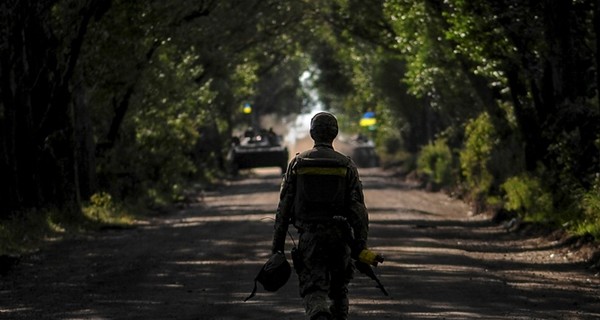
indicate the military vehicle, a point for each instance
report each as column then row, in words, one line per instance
column 260, row 149
column 361, row 149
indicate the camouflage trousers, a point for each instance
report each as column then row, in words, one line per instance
column 324, row 272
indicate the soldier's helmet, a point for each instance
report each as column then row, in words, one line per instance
column 274, row 274
column 323, row 127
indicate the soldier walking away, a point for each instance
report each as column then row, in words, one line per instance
column 321, row 195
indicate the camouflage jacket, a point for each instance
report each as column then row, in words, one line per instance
column 356, row 213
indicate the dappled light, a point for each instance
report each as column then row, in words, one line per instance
column 200, row 262
column 144, row 143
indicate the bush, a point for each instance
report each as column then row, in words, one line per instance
column 480, row 140
column 103, row 210
column 435, row 162
column 590, row 206
column 29, row 230
column 525, row 195
column 392, row 152
column 24, row 232
column 162, row 148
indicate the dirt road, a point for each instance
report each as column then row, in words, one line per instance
column 199, row 262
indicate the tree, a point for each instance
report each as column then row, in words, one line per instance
column 37, row 63
column 139, row 98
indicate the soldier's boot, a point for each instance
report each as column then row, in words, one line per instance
column 339, row 308
column 317, row 306
column 322, row 316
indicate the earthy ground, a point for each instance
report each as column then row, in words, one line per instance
column 199, row 262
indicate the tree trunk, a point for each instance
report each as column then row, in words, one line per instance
column 37, row 137
column 526, row 120
column 597, row 29
column 85, row 153
column 21, row 91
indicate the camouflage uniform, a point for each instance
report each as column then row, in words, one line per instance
column 325, row 266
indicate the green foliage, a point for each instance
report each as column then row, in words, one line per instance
column 412, row 27
column 29, row 230
column 425, row 83
column 479, row 32
column 155, row 91
column 435, row 161
column 279, row 90
column 102, row 209
column 179, row 71
column 26, row 231
column 525, row 195
column 480, row 140
column 590, row 206
column 153, row 158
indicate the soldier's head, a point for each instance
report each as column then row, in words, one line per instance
column 323, row 127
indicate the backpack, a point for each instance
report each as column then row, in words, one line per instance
column 320, row 188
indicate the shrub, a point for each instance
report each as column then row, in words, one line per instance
column 525, row 195
column 435, row 161
column 102, row 209
column 24, row 232
column 590, row 206
column 480, row 140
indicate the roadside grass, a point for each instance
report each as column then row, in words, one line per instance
column 24, row 232
column 102, row 211
column 27, row 231
column 590, row 205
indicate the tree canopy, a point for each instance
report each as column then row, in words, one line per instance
column 138, row 98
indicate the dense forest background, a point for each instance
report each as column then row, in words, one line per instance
column 110, row 102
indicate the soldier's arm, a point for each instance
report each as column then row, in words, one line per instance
column 358, row 214
column 284, row 210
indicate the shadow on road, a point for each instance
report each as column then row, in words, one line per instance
column 199, row 263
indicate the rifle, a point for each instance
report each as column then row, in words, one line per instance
column 368, row 271
column 363, row 257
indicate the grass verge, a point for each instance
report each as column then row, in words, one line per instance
column 27, row 231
